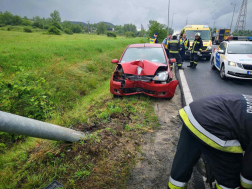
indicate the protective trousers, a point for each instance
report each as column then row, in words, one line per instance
column 182, row 54
column 177, row 57
column 226, row 167
column 194, row 59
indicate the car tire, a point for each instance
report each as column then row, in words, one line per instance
column 169, row 98
column 117, row 96
column 212, row 64
column 222, row 72
column 208, row 58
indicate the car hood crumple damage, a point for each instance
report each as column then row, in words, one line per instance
column 141, row 67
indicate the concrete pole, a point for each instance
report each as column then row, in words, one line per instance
column 168, row 17
column 15, row 124
column 232, row 17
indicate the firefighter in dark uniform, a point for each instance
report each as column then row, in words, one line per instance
column 154, row 38
column 184, row 45
column 173, row 48
column 196, row 50
column 220, row 128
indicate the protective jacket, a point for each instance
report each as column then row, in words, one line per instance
column 184, row 45
column 153, row 40
column 173, row 46
column 227, row 128
column 197, row 45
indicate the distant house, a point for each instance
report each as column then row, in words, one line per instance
column 110, row 29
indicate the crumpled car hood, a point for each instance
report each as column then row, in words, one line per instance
column 141, row 67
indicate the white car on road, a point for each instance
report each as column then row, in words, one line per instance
column 233, row 59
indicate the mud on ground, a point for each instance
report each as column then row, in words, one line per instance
column 158, row 149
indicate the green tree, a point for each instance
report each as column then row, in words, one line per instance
column 155, row 27
column 55, row 16
column 101, row 28
column 129, row 28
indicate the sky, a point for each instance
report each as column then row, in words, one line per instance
column 137, row 12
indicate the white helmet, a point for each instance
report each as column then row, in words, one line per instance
column 197, row 34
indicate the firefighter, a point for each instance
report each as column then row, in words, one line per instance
column 196, row 51
column 165, row 43
column 184, row 45
column 153, row 39
column 220, row 128
column 173, row 48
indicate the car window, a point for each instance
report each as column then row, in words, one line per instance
column 223, row 46
column 144, row 53
column 205, row 34
column 239, row 49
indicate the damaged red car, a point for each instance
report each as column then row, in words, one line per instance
column 143, row 68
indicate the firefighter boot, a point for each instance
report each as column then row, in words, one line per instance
column 194, row 66
column 191, row 65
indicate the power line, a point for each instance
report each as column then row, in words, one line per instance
column 241, row 21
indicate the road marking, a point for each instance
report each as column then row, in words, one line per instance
column 186, row 90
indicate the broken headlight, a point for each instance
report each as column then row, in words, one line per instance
column 161, row 76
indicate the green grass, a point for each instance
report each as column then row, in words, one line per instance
column 67, row 78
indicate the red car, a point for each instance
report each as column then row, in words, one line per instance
column 143, row 68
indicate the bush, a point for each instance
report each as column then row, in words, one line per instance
column 68, row 31
column 57, row 25
column 130, row 34
column 111, row 34
column 28, row 30
column 2, row 25
column 46, row 27
column 37, row 25
column 9, row 29
column 54, row 30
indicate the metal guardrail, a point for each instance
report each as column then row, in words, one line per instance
column 15, row 124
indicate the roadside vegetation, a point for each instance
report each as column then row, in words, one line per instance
column 64, row 79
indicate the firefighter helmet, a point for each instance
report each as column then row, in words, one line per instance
column 197, row 34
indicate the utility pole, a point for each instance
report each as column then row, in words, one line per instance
column 172, row 19
column 186, row 21
column 168, row 17
column 232, row 17
column 241, row 21
column 214, row 24
column 88, row 26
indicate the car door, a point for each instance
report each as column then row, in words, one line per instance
column 219, row 57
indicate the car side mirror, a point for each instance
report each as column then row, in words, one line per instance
column 114, row 61
column 172, row 60
column 221, row 51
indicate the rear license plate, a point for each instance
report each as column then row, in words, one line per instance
column 249, row 72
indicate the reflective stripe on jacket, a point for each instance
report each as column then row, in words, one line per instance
column 152, row 40
column 173, row 46
column 186, row 43
column 197, row 45
column 224, row 122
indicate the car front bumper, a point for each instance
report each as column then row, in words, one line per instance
column 205, row 54
column 239, row 73
column 140, row 87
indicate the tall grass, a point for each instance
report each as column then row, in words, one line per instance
column 72, row 66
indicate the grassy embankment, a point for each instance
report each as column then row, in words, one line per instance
column 65, row 80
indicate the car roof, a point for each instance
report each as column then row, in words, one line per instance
column 145, row 45
column 238, row 42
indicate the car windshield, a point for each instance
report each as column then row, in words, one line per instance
column 144, row 53
column 239, row 49
column 205, row 34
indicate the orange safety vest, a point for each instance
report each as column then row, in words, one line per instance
column 185, row 42
column 167, row 41
column 152, row 40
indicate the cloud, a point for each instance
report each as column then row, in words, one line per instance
column 137, row 12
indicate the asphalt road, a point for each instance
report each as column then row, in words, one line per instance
column 203, row 81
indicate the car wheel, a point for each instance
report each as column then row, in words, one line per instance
column 208, row 58
column 212, row 64
column 169, row 98
column 222, row 72
column 117, row 96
